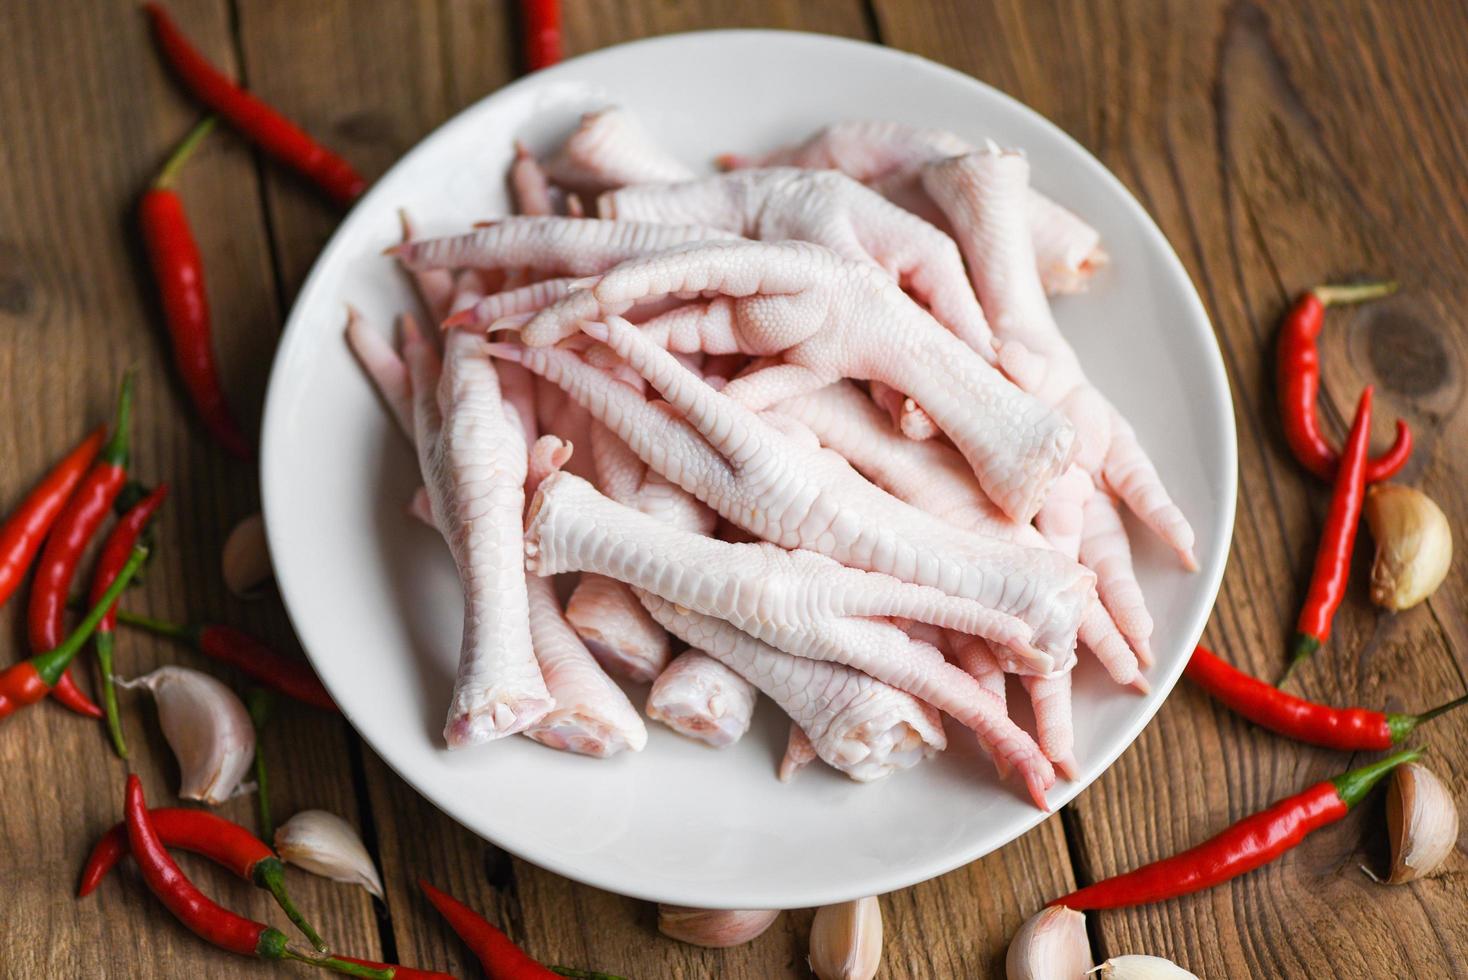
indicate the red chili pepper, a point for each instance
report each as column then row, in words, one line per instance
column 1248, row 844
column 208, row 920
column 501, row 958
column 239, row 649
column 542, row 26
column 84, row 513
column 214, row 837
column 178, row 269
column 251, row 116
column 26, row 527
column 1347, row 729
column 1299, row 383
column 114, row 554
column 30, row 680
column 402, row 972
column 1333, row 557
column 247, row 113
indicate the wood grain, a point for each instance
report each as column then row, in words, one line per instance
column 1269, row 142
column 1277, row 146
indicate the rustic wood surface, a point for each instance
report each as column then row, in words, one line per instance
column 1277, row 145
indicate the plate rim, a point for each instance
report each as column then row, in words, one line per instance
column 906, row 874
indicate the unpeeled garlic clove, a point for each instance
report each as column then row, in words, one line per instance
column 325, row 844
column 1422, row 820
column 1414, row 545
column 846, row 941
column 246, row 558
column 1136, row 967
column 713, row 928
column 207, row 727
column 1051, row 945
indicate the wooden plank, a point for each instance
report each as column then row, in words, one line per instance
column 1269, row 148
column 89, row 115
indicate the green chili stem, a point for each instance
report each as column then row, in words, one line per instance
column 105, row 642
column 1354, row 785
column 51, row 664
column 186, row 149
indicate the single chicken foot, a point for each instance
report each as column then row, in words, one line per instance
column 473, row 459
column 984, row 192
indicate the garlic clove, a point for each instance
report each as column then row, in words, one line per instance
column 246, row 558
column 846, row 941
column 325, row 844
column 1414, row 545
column 1136, row 967
column 1051, row 945
column 713, row 928
column 1422, row 821
column 207, row 727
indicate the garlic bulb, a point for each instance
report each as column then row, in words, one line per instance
column 208, row 729
column 846, row 941
column 713, row 928
column 1422, row 820
column 246, row 558
column 325, row 844
column 1051, row 945
column 1414, row 545
column 1142, row 968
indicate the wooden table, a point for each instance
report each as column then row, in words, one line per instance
column 1277, row 145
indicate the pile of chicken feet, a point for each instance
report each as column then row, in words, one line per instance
column 812, row 418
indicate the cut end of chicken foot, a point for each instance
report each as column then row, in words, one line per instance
column 494, row 720
column 700, row 698
column 569, row 730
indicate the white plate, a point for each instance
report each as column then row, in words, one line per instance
column 374, row 598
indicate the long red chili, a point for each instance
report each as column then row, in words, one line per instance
column 1337, row 541
column 24, row 530
column 84, row 513
column 31, row 680
column 205, row 918
column 221, row 841
column 1347, row 729
column 500, row 957
column 239, row 649
column 1299, row 383
column 114, row 555
column 541, row 20
column 247, row 113
column 1248, row 844
column 402, row 972
column 178, row 269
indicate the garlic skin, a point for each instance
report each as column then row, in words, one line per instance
column 1422, row 821
column 207, row 727
column 1414, row 545
column 245, row 561
column 846, row 941
column 713, row 928
column 325, row 844
column 1142, row 968
column 1051, row 945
